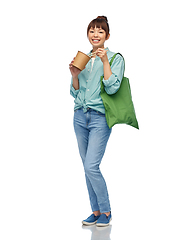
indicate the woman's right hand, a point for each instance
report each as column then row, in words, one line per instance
column 74, row 71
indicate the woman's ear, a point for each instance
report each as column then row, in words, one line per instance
column 108, row 36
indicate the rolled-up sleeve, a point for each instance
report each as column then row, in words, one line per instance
column 112, row 85
column 73, row 91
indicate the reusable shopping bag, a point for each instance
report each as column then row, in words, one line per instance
column 119, row 107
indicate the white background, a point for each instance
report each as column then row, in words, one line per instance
column 42, row 185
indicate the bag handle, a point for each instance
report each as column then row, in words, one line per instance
column 114, row 58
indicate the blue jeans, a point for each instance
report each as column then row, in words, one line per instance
column 92, row 133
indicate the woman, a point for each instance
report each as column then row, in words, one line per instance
column 91, row 129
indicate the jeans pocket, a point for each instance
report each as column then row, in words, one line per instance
column 101, row 114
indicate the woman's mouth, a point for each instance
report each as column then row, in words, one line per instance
column 95, row 40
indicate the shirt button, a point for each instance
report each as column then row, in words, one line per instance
column 87, row 89
column 87, row 80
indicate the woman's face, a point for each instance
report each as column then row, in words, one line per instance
column 97, row 37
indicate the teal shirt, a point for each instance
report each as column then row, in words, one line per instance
column 88, row 94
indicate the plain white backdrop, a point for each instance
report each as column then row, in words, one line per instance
column 42, row 185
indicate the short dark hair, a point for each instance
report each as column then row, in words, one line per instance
column 99, row 22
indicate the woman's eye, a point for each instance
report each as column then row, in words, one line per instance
column 91, row 31
column 100, row 32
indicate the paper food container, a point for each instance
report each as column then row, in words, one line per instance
column 81, row 60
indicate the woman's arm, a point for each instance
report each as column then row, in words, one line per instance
column 74, row 72
column 112, row 84
column 107, row 70
column 102, row 54
column 74, row 89
column 112, row 75
column 76, row 83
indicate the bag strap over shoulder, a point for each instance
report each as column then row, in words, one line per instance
column 114, row 58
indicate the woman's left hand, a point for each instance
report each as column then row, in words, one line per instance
column 102, row 54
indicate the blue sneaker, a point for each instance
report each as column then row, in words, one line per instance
column 91, row 220
column 103, row 220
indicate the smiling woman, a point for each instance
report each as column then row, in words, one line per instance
column 91, row 129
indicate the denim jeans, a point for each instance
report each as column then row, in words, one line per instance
column 92, row 133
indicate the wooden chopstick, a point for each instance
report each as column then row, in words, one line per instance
column 91, row 54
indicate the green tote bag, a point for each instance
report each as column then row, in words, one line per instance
column 119, row 107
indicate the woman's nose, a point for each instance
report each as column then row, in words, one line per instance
column 95, row 34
